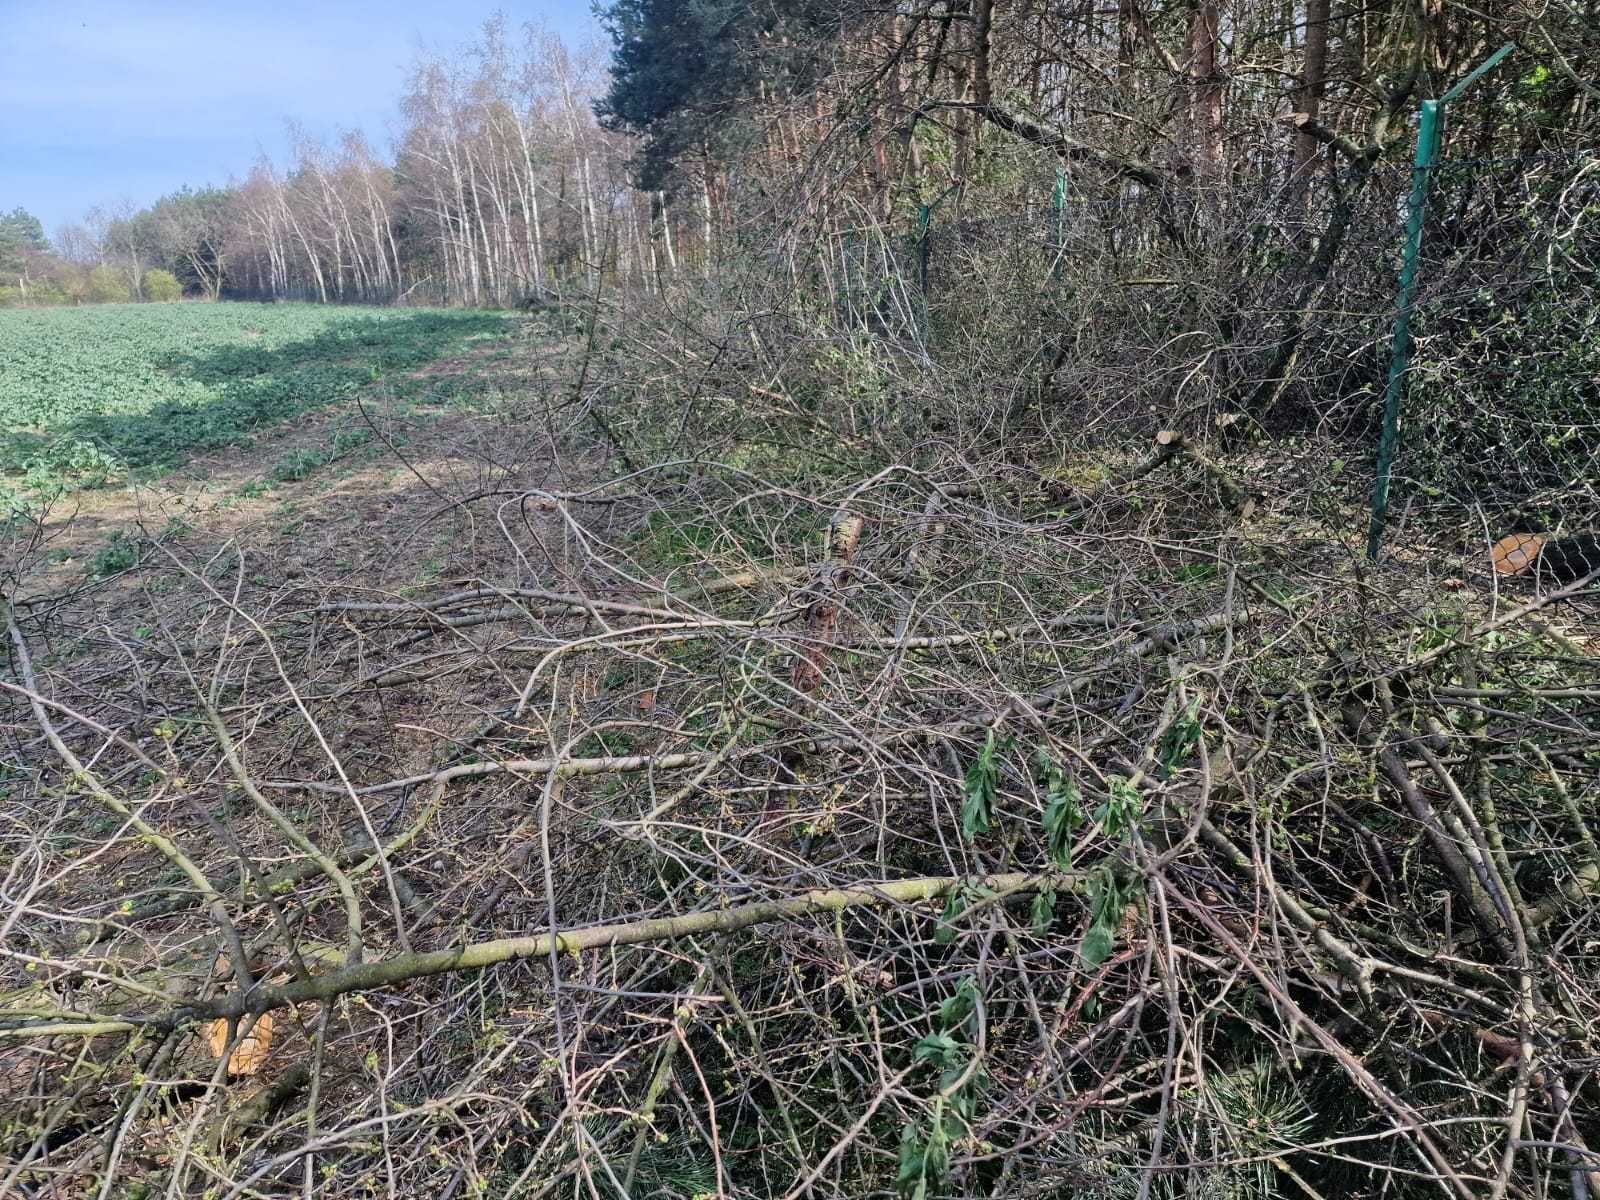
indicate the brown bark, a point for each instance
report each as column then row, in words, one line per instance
column 1127, row 43
column 1205, row 75
column 982, row 20
column 1313, row 83
column 822, row 616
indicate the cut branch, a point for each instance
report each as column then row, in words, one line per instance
column 478, row 955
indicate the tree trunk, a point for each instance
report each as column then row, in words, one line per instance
column 1205, row 110
column 1313, row 81
column 982, row 22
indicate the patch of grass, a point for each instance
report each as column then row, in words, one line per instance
column 119, row 554
column 297, row 465
column 685, row 538
column 90, row 395
column 1202, row 572
column 676, row 538
column 604, row 746
column 346, row 440
column 1281, row 588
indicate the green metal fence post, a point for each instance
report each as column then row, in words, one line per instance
column 847, row 294
column 1427, row 149
column 1061, row 221
column 925, row 248
column 1428, row 137
column 924, row 224
column 924, row 228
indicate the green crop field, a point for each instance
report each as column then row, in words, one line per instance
column 89, row 395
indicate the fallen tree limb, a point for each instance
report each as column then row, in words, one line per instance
column 565, row 601
column 1054, row 140
column 477, row 955
column 615, row 764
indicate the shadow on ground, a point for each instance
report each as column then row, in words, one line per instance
column 252, row 387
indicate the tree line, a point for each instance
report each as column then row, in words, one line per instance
column 522, row 165
column 1116, row 204
column 502, row 188
column 77, row 268
column 1174, row 102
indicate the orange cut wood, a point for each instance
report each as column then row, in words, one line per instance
column 1516, row 554
column 252, row 1049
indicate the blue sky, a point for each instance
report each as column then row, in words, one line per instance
column 102, row 100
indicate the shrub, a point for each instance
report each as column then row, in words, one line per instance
column 66, row 285
column 107, row 286
column 297, row 465
column 1504, row 398
column 120, row 553
column 47, row 292
column 162, row 285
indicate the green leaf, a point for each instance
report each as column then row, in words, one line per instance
column 1181, row 738
column 1120, row 810
column 936, row 1158
column 964, row 1102
column 924, row 1160
column 1098, row 943
column 983, row 782
column 1043, row 913
column 952, row 1076
column 953, row 1013
column 1108, row 897
column 945, row 932
column 941, row 1050
column 1063, row 813
column 908, row 1178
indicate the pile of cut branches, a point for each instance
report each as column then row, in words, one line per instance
column 954, row 827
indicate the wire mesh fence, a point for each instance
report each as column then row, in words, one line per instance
column 1276, row 306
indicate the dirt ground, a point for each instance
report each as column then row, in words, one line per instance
column 361, row 516
column 420, row 497
column 405, row 491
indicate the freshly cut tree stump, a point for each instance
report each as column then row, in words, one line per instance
column 1561, row 560
column 1516, row 554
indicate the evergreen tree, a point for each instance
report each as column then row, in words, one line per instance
column 21, row 234
column 685, row 73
